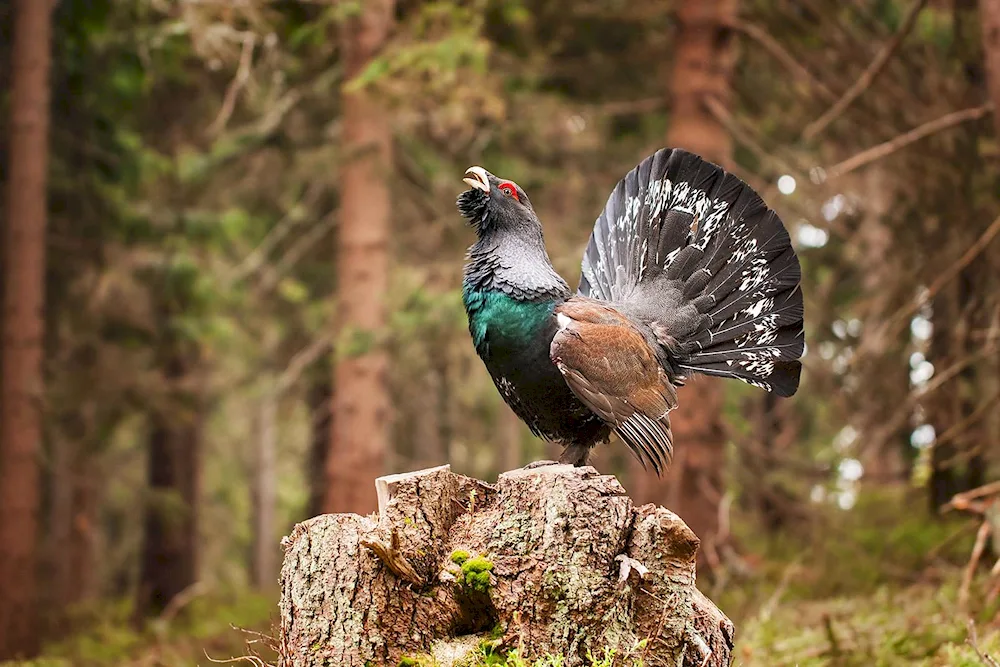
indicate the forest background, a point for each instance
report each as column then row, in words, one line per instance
column 231, row 271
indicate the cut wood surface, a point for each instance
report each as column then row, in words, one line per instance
column 554, row 560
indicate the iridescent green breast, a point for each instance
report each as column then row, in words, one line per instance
column 496, row 317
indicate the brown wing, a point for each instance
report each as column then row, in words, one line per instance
column 611, row 368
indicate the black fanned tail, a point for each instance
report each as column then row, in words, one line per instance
column 695, row 253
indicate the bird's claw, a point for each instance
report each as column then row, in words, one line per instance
column 539, row 464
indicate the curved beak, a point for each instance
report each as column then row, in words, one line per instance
column 475, row 177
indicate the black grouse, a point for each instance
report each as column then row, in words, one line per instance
column 687, row 271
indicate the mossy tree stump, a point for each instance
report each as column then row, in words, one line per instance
column 555, row 560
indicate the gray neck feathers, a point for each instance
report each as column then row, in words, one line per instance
column 515, row 264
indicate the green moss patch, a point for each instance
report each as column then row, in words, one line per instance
column 476, row 573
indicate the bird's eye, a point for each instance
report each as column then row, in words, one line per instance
column 510, row 190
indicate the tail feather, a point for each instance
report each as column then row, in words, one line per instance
column 696, row 254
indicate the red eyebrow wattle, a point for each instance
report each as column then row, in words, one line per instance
column 507, row 186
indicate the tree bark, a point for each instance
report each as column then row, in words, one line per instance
column 554, row 543
column 360, row 434
column 24, row 297
column 989, row 18
column 703, row 64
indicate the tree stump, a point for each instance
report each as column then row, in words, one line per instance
column 554, row 560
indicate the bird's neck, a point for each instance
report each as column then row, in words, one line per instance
column 515, row 265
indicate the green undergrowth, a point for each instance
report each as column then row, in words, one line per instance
column 211, row 627
column 877, row 585
column 889, row 539
column 918, row 626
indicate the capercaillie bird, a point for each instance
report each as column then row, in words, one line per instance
column 687, row 271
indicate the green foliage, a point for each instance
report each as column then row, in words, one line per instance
column 443, row 40
column 917, row 626
column 212, row 624
column 459, row 556
column 881, row 542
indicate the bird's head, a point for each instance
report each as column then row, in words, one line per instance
column 493, row 204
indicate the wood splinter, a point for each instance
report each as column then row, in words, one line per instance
column 394, row 559
column 627, row 565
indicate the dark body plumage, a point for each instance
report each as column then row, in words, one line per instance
column 687, row 270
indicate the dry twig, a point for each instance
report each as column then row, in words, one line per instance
column 181, row 600
column 970, row 569
column 782, row 55
column 869, row 75
column 973, row 641
column 302, row 360
column 962, row 500
column 880, row 151
column 719, row 111
column 894, row 322
column 236, row 85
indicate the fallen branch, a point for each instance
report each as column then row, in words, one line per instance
column 970, row 570
column 961, row 501
column 973, row 641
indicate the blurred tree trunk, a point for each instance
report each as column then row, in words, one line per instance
column 264, row 559
column 170, row 549
column 422, row 430
column 82, row 580
column 774, row 434
column 319, row 399
column 360, row 433
column 71, row 528
column 58, row 479
column 703, row 66
column 943, row 407
column 890, row 458
column 989, row 17
column 509, row 457
column 957, row 461
column 22, row 329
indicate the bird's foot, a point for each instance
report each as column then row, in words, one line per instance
column 575, row 455
column 539, row 464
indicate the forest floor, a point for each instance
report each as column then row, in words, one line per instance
column 877, row 586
